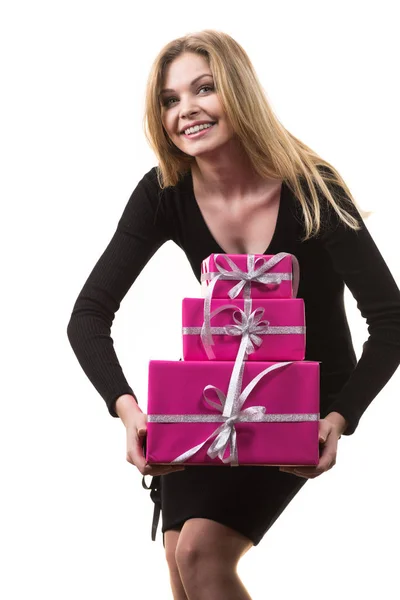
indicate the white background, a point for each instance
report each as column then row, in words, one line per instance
column 75, row 521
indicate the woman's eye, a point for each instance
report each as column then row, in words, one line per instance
column 206, row 86
column 168, row 102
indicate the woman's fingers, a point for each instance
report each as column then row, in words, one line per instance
column 135, row 455
column 328, row 451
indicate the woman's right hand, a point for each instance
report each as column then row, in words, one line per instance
column 135, row 422
column 136, row 432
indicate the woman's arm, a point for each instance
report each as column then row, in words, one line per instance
column 356, row 258
column 140, row 232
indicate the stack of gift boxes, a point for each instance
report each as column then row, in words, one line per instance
column 243, row 395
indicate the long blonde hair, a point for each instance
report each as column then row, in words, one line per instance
column 272, row 149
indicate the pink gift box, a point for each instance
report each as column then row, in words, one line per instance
column 290, row 395
column 283, row 338
column 286, row 269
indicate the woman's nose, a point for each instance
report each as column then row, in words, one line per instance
column 188, row 108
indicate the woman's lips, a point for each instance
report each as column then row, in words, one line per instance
column 200, row 133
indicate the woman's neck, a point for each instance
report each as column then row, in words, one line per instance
column 230, row 175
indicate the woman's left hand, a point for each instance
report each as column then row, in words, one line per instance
column 329, row 434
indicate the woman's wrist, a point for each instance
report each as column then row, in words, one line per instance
column 126, row 406
column 338, row 421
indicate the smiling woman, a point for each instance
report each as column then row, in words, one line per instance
column 194, row 113
column 230, row 178
column 208, row 78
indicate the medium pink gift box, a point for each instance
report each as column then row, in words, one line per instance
column 275, row 329
column 250, row 275
column 277, row 424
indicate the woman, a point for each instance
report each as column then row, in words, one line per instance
column 231, row 179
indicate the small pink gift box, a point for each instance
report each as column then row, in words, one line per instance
column 250, row 275
column 274, row 329
column 274, row 420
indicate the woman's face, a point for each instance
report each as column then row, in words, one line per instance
column 189, row 97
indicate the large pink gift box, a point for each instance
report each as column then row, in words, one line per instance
column 186, row 402
column 250, row 275
column 275, row 329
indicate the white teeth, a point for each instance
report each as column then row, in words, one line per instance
column 197, row 128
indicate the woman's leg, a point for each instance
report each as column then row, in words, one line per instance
column 207, row 554
column 171, row 540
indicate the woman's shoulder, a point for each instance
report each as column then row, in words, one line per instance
column 152, row 203
column 152, row 179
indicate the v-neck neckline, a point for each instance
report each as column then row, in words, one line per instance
column 212, row 239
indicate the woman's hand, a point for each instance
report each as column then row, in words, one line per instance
column 136, row 431
column 135, row 422
column 329, row 433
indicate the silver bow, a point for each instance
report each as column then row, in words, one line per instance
column 253, row 274
column 249, row 325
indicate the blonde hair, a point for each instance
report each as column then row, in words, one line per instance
column 272, row 149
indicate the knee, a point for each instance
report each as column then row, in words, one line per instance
column 188, row 555
column 198, row 559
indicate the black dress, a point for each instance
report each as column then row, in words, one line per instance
column 248, row 499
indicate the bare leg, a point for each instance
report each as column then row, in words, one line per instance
column 207, row 555
column 171, row 539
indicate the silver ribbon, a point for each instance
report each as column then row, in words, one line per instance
column 230, row 406
column 278, row 330
column 257, row 274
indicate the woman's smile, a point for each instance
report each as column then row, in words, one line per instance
column 199, row 133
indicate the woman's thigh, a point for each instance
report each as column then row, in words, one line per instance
column 198, row 537
column 205, row 540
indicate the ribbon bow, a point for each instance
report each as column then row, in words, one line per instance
column 253, row 274
column 226, row 433
column 258, row 275
column 252, row 326
column 249, row 325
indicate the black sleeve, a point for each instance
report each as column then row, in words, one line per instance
column 140, row 232
column 356, row 258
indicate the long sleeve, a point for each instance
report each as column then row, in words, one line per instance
column 356, row 258
column 140, row 232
